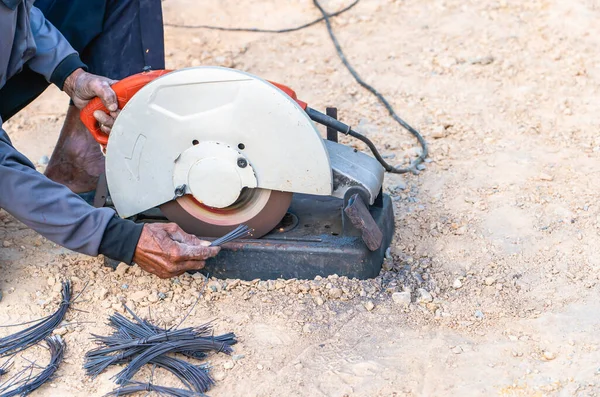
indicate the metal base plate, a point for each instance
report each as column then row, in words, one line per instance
column 308, row 243
column 315, row 247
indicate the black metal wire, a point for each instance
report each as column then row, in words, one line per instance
column 132, row 339
column 259, row 30
column 150, row 353
column 138, row 387
column 237, row 233
column 22, row 385
column 5, row 367
column 40, row 329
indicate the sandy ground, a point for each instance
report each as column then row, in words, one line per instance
column 496, row 243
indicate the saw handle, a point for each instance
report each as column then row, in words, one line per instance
column 291, row 93
column 125, row 89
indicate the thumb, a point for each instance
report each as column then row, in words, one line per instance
column 106, row 94
column 198, row 252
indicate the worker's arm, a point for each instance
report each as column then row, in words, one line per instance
column 58, row 214
column 54, row 58
column 64, row 218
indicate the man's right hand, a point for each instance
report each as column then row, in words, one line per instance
column 166, row 250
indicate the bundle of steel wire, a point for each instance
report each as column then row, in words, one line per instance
column 137, row 343
column 40, row 329
column 137, row 387
column 23, row 382
column 237, row 233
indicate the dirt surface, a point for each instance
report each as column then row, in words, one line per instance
column 497, row 240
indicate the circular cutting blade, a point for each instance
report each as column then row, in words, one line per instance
column 259, row 209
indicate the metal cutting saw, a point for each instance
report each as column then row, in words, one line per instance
column 210, row 148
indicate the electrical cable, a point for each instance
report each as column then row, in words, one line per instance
column 424, row 152
column 413, row 167
column 259, row 30
column 337, row 125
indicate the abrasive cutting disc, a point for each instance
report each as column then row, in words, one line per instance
column 260, row 209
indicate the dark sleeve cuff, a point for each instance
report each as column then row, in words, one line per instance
column 64, row 69
column 120, row 239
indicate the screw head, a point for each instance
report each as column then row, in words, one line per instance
column 242, row 163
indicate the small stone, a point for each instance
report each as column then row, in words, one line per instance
column 304, row 288
column 499, row 286
column 369, row 305
column 219, row 375
column 401, row 298
column 457, row 284
column 308, row 328
column 438, row 132
column 6, row 244
column 489, row 281
column 121, row 269
column 259, row 366
column 214, row 286
column 62, row 331
column 101, row 293
column 457, row 350
column 401, row 185
column 319, row 301
column 546, row 177
column 485, row 60
column 43, row 160
column 548, row 355
column 237, row 357
column 228, row 364
column 479, row 314
column 51, row 281
column 335, row 293
column 279, row 284
column 424, row 296
column 162, row 296
column 0, row 296
column 153, row 297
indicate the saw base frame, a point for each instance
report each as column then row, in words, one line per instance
column 318, row 244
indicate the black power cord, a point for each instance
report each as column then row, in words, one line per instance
column 259, row 30
column 337, row 125
column 413, row 166
column 329, row 121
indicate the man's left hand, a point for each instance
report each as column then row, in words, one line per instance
column 82, row 87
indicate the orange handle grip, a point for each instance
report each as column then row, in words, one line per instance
column 125, row 89
column 291, row 93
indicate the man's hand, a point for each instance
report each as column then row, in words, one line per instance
column 82, row 87
column 166, row 250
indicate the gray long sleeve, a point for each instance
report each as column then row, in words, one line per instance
column 51, row 47
column 46, row 206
